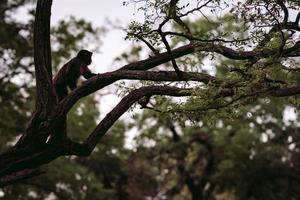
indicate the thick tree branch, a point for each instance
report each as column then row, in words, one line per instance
column 172, row 8
column 159, row 59
column 42, row 60
column 42, row 56
column 19, row 176
column 288, row 91
column 105, row 79
column 87, row 147
column 15, row 162
column 293, row 51
column 154, row 76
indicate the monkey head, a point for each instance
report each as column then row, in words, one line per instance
column 85, row 56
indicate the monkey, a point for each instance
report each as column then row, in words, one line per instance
column 70, row 72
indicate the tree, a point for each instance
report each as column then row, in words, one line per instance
column 271, row 45
column 17, row 102
column 253, row 156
